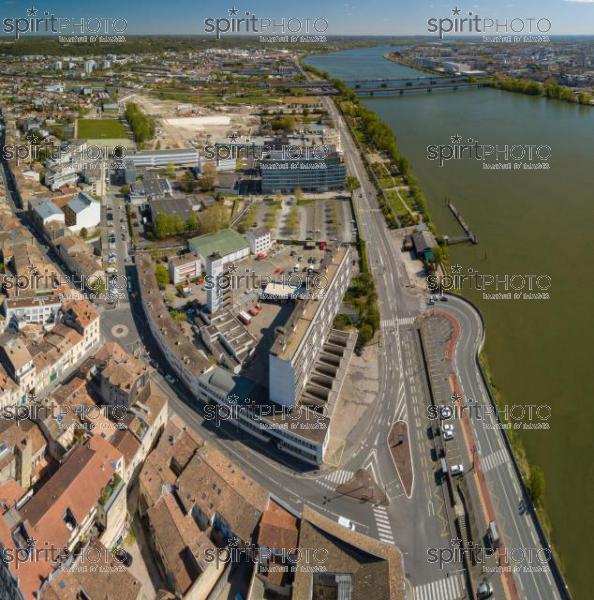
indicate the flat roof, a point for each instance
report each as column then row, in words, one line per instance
column 224, row 242
column 286, row 345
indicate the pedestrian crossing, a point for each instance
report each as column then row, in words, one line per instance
column 495, row 459
column 384, row 529
column 406, row 320
column 336, row 478
column 387, row 323
column 446, row 588
column 339, row 476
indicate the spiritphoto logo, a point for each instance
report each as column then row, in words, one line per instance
column 46, row 23
column 518, row 29
column 295, row 28
column 66, row 155
column 234, row 150
column 516, row 559
column 504, row 157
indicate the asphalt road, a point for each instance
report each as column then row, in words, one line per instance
column 514, row 515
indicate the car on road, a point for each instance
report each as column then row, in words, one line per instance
column 445, row 412
column 485, row 590
column 124, row 557
column 448, row 431
column 457, row 470
column 443, row 298
column 346, row 523
column 430, row 301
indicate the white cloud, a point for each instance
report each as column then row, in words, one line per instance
column 581, row 1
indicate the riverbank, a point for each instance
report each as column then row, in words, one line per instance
column 553, row 369
column 550, row 90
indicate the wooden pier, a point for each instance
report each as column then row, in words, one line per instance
column 469, row 235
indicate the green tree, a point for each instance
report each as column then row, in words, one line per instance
column 352, row 184
column 84, row 233
column 208, row 177
column 536, row 485
column 170, row 171
column 162, row 275
column 192, row 223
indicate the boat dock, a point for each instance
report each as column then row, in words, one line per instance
column 469, row 235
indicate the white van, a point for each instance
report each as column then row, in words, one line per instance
column 346, row 523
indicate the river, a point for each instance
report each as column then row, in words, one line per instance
column 536, row 222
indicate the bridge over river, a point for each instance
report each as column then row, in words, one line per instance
column 378, row 87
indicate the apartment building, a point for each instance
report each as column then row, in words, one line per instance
column 82, row 212
column 23, row 311
column 299, row 341
column 184, row 268
column 182, row 355
column 259, row 240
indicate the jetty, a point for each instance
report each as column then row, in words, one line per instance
column 468, row 234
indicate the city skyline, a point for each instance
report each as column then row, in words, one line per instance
column 377, row 17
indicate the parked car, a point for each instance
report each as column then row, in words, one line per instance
column 485, row 590
column 457, row 470
column 124, row 557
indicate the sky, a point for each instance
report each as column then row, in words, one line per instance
column 351, row 17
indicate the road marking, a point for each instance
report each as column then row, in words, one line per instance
column 447, row 588
column 339, row 476
column 493, row 460
column 387, row 323
column 382, row 523
column 406, row 320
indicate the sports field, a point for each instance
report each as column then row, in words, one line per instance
column 100, row 129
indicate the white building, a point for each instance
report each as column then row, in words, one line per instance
column 81, row 212
column 161, row 158
column 55, row 179
column 184, row 268
column 229, row 244
column 42, row 310
column 299, row 341
column 89, row 65
column 47, row 212
column 259, row 240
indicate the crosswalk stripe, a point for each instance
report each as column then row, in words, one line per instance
column 495, row 459
column 446, row 588
column 406, row 320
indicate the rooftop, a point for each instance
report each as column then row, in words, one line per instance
column 224, row 242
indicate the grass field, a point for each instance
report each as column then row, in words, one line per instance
column 100, row 129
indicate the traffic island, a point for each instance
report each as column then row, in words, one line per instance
column 363, row 486
column 399, row 443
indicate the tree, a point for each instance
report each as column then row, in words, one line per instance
column 84, row 233
column 298, row 194
column 352, row 184
column 192, row 223
column 125, row 189
column 188, row 182
column 208, row 177
column 162, row 275
column 365, row 335
column 214, row 219
column 170, row 171
column 536, row 485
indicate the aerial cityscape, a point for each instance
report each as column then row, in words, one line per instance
column 293, row 302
